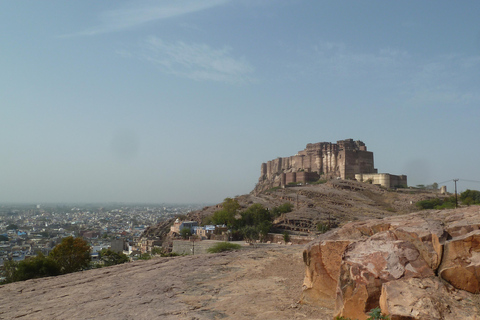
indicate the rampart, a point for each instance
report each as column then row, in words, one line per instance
column 322, row 160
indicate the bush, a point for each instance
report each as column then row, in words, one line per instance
column 436, row 203
column 223, row 246
column 375, row 314
column 322, row 227
column 111, row 258
column 286, row 237
column 37, row 267
column 283, row 208
column 469, row 197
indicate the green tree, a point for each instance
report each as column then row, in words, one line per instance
column 72, row 254
column 9, row 269
column 255, row 215
column 32, row 268
column 12, row 227
column 110, row 257
column 3, row 237
column 470, row 197
column 227, row 214
column 286, row 237
column 185, row 233
column 37, row 267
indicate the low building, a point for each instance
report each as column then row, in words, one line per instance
column 179, row 225
column 385, row 180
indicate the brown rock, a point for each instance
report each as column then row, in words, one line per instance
column 366, row 265
column 462, row 222
column 461, row 262
column 427, row 236
column 322, row 260
column 426, row 299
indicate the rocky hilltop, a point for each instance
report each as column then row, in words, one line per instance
column 335, row 202
column 424, row 265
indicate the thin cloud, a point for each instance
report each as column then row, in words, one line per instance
column 443, row 80
column 140, row 13
column 196, row 61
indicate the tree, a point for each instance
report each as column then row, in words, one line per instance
column 111, row 258
column 37, row 267
column 32, row 268
column 9, row 268
column 255, row 215
column 185, row 233
column 72, row 254
column 226, row 216
column 12, row 227
column 470, row 197
column 3, row 237
column 250, row 234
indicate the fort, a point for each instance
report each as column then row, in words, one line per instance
column 346, row 159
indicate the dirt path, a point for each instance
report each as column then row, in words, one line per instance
column 254, row 283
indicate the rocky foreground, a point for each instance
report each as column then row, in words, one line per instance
column 252, row 283
column 424, row 265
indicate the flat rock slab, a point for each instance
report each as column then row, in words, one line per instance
column 254, row 283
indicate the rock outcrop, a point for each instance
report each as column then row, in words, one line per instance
column 389, row 262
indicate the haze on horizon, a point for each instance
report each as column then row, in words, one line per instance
column 181, row 101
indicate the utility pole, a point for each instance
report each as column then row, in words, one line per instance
column 456, row 200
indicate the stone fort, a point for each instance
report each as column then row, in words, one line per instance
column 346, row 159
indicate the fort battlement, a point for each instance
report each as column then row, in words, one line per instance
column 321, row 160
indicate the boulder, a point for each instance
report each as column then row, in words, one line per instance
column 366, row 265
column 322, row 260
column 427, row 236
column 462, row 222
column 426, row 299
column 461, row 262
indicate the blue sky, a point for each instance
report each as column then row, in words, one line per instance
column 181, row 101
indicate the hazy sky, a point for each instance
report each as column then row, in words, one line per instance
column 181, row 101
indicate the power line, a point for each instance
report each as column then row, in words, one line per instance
column 470, row 180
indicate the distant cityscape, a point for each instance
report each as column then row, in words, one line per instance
column 27, row 230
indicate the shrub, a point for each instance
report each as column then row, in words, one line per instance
column 37, row 267
column 286, row 236
column 223, row 246
column 283, row 208
column 322, row 227
column 436, row 203
column 319, row 181
column 375, row 314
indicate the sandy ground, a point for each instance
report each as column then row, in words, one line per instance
column 252, row 283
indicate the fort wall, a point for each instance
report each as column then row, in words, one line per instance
column 318, row 160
